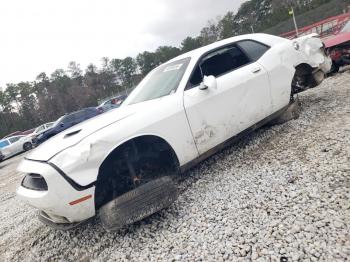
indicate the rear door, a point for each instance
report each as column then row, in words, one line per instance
column 16, row 146
column 241, row 99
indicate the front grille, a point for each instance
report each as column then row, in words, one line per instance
column 34, row 182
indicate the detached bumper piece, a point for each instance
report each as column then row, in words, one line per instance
column 45, row 218
column 34, row 182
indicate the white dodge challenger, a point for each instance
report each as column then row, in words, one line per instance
column 123, row 165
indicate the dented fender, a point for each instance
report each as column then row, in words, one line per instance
column 82, row 161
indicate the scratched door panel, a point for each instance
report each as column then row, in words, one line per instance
column 241, row 99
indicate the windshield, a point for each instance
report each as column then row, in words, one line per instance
column 38, row 129
column 3, row 143
column 163, row 81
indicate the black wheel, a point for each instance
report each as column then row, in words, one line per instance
column 137, row 180
column 138, row 203
column 27, row 146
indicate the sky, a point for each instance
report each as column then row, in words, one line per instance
column 43, row 35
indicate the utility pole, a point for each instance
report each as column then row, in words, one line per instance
column 252, row 29
column 295, row 22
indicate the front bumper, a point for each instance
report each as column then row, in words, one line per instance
column 59, row 201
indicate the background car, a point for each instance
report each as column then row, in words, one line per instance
column 338, row 47
column 112, row 103
column 14, row 145
column 1, row 156
column 41, row 129
column 66, row 122
column 123, row 165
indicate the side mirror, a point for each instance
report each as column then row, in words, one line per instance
column 61, row 124
column 208, row 82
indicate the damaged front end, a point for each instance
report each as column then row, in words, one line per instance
column 312, row 63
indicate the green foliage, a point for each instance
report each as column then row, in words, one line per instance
column 210, row 33
column 227, row 25
column 147, row 61
column 190, row 43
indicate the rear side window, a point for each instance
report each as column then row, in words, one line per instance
column 253, row 49
column 219, row 63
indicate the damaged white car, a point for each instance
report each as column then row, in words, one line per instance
column 123, row 164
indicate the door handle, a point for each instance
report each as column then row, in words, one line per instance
column 256, row 70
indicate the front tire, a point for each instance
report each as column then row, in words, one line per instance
column 136, row 180
column 27, row 146
column 139, row 203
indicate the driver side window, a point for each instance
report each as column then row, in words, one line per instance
column 218, row 63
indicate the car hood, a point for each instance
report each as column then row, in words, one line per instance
column 75, row 134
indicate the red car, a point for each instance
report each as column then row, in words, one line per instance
column 338, row 47
column 335, row 33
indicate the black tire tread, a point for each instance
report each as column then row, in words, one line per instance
column 138, row 203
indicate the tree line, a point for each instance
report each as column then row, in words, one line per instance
column 28, row 104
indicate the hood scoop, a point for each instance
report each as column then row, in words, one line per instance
column 72, row 133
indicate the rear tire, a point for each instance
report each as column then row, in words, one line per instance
column 138, row 203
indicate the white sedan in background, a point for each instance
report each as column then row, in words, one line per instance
column 13, row 145
column 122, row 164
column 41, row 129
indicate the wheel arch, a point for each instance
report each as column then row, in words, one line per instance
column 138, row 136
column 303, row 78
column 303, row 68
column 103, row 175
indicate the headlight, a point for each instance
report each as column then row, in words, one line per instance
column 34, row 182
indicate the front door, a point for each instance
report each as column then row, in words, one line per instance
column 241, row 97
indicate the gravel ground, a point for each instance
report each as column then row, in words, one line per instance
column 281, row 193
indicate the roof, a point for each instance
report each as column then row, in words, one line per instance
column 264, row 38
column 337, row 39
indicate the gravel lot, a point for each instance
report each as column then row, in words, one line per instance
column 282, row 192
